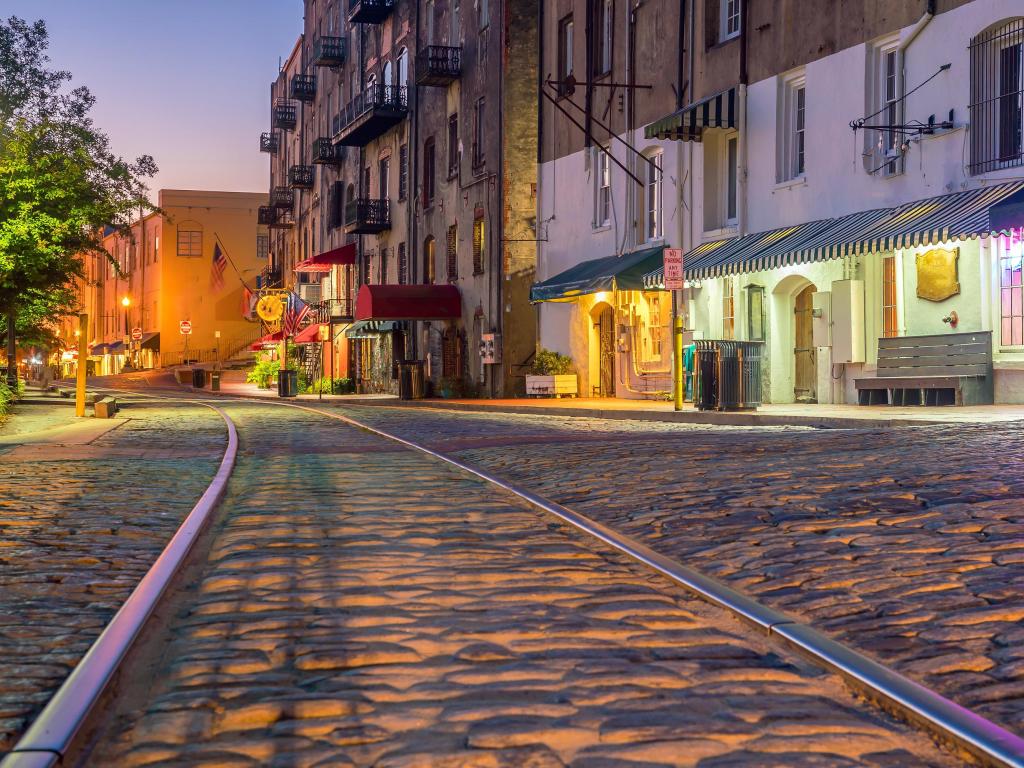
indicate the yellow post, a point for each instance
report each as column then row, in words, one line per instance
column 679, row 371
column 83, row 353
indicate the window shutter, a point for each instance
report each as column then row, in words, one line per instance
column 479, row 233
column 453, row 260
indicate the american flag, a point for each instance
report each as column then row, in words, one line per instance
column 294, row 313
column 220, row 262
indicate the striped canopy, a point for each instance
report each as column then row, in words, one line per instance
column 688, row 123
column 957, row 216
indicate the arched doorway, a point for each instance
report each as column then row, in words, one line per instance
column 805, row 364
column 605, row 326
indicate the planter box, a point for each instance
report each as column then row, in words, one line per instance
column 552, row 385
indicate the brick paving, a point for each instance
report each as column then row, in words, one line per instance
column 907, row 543
column 80, row 523
column 364, row 604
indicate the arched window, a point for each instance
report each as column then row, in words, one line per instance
column 997, row 97
column 387, row 76
column 403, row 68
column 428, row 260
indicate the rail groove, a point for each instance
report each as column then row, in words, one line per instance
column 52, row 733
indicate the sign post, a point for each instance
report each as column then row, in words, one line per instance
column 673, row 269
column 185, row 329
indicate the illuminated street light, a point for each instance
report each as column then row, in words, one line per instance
column 126, row 302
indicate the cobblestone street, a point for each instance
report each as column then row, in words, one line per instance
column 907, row 544
column 367, row 605
column 83, row 516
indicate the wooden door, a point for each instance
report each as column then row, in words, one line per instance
column 805, row 361
column 606, row 340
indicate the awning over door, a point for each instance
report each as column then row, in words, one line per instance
column 117, row 348
column 408, row 302
column 269, row 340
column 310, row 334
column 624, row 273
column 150, row 341
column 689, row 123
column 959, row 216
column 323, row 262
column 368, row 329
column 98, row 350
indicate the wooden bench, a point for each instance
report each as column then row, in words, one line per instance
column 947, row 369
column 104, row 408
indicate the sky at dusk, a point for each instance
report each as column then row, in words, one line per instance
column 186, row 81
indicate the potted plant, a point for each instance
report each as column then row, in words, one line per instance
column 551, row 374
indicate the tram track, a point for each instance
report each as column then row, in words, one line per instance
column 47, row 742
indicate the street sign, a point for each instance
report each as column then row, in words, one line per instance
column 185, row 327
column 673, row 269
column 136, row 334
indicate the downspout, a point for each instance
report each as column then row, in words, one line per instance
column 411, row 194
column 497, row 308
column 631, row 188
column 741, row 176
column 689, row 144
column 918, row 27
column 589, row 97
column 541, row 41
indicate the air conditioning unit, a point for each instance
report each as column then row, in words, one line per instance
column 309, row 292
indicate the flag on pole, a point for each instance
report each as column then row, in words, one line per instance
column 294, row 313
column 247, row 302
column 220, row 262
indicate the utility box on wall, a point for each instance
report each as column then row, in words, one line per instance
column 490, row 348
column 848, row 322
column 821, row 319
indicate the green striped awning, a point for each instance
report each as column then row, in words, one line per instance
column 369, row 329
column 689, row 123
column 624, row 273
column 957, row 216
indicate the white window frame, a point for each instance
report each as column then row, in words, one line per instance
column 607, row 23
column 730, row 180
column 403, row 68
column 791, row 156
column 998, row 95
column 654, row 196
column 729, row 20
column 602, row 187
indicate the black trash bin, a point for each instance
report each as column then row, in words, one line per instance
column 728, row 375
column 198, row 378
column 410, row 380
column 288, row 383
column 215, row 381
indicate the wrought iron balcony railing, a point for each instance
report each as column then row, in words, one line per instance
column 438, row 65
column 269, row 278
column 303, row 87
column 367, row 216
column 372, row 113
column 369, row 11
column 329, row 51
column 301, row 176
column 274, row 218
column 331, row 309
column 285, row 114
column 325, row 152
column 282, row 197
column 269, row 142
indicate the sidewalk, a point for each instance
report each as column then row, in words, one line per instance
column 823, row 416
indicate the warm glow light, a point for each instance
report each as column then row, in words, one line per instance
column 125, row 301
column 77, row 333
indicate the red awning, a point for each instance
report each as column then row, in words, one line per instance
column 269, row 340
column 323, row 262
column 408, row 302
column 310, row 334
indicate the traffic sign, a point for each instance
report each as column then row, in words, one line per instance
column 673, row 269
column 136, row 334
column 185, row 327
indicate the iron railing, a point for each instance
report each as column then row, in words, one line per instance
column 438, row 65
column 329, row 51
column 269, row 142
column 997, row 98
column 366, row 215
column 369, row 11
column 301, row 176
column 389, row 97
column 285, row 114
column 303, row 87
column 327, row 309
column 268, row 278
column 326, row 153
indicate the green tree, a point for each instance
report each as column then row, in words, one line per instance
column 60, row 185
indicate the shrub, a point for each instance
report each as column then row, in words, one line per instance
column 7, row 397
column 264, row 373
column 335, row 387
column 548, row 363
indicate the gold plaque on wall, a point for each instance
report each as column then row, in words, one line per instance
column 937, row 277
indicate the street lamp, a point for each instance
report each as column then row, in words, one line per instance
column 126, row 302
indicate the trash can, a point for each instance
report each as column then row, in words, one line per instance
column 215, row 381
column 410, row 380
column 728, row 375
column 198, row 378
column 288, row 383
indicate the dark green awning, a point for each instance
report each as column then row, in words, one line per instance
column 624, row 273
column 369, row 329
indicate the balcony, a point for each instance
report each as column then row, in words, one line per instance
column 367, row 216
column 329, row 51
column 438, row 65
column 273, row 218
column 304, row 87
column 369, row 11
column 285, row 114
column 301, row 176
column 371, row 114
column 282, row 197
column 268, row 278
column 326, row 153
column 332, row 310
column 269, row 142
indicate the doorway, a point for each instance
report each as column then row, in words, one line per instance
column 606, row 351
column 805, row 378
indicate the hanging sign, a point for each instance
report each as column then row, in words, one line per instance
column 185, row 327
column 673, row 266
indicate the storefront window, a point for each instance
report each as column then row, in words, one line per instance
column 1011, row 297
column 890, row 323
column 728, row 310
column 755, row 312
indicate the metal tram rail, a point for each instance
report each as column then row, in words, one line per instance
column 51, row 737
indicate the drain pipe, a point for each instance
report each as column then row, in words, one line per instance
column 918, row 27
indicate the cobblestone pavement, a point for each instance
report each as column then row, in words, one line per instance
column 364, row 604
column 79, row 526
column 907, row 544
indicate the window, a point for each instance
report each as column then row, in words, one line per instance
column 403, row 68
column 190, row 243
column 731, row 171
column 478, row 134
column 890, row 323
column 156, row 249
column 603, row 23
column 383, row 266
column 479, row 245
column 263, row 247
column 484, row 12
column 403, row 172
column 403, row 265
column 603, row 195
column 728, row 310
column 430, row 22
column 428, row 260
column 388, row 74
column 453, row 255
column 428, row 173
column 384, row 168
column 367, row 268
column 455, row 23
column 997, row 98
column 453, row 146
column 565, row 41
column 653, row 224
column 755, row 312
column 1011, row 296
column 791, row 128
column 891, row 112
column 729, row 24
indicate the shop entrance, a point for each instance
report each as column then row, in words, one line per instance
column 606, row 351
column 805, row 387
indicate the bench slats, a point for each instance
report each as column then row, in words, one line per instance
column 939, row 340
column 952, row 361
column 935, row 370
column 974, row 348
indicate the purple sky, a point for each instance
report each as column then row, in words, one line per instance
column 187, row 82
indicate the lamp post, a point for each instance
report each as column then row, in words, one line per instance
column 126, row 302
